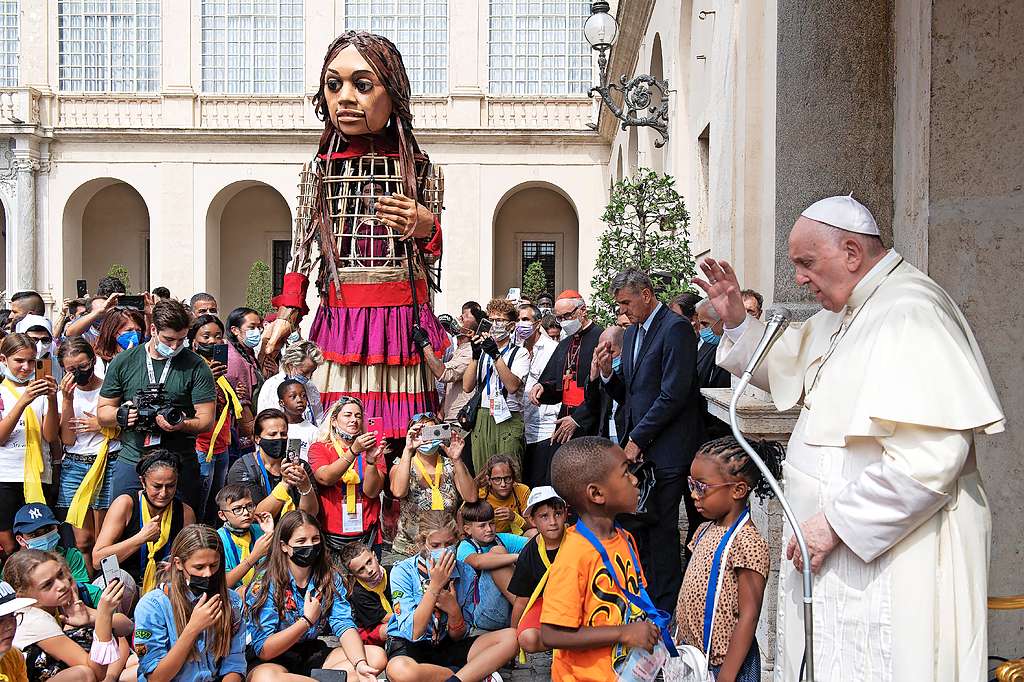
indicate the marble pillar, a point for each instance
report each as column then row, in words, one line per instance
column 26, row 245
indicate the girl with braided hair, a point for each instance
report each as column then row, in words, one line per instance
column 370, row 201
column 723, row 587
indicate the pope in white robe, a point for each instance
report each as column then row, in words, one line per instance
column 881, row 467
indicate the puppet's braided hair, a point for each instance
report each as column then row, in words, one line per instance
column 737, row 462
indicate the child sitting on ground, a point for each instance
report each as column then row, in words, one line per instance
column 722, row 477
column 587, row 617
column 429, row 635
column 546, row 512
column 369, row 592
column 498, row 485
column 246, row 535
column 493, row 556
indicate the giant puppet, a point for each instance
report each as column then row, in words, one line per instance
column 368, row 216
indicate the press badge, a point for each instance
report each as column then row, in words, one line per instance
column 642, row 666
column 499, row 409
column 352, row 523
column 152, row 440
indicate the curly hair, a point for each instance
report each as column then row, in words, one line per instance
column 503, row 307
column 736, row 462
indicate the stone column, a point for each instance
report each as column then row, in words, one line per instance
column 834, row 117
column 27, row 232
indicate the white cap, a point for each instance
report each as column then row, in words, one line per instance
column 541, row 493
column 29, row 321
column 11, row 602
column 846, row 213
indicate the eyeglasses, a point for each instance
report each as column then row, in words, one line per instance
column 242, row 509
column 345, row 400
column 702, row 488
column 502, row 480
column 566, row 316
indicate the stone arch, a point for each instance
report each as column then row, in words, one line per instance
column 243, row 221
column 105, row 221
column 535, row 218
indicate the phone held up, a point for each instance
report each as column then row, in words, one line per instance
column 136, row 302
column 82, row 287
column 373, row 425
column 217, row 352
column 441, row 432
column 111, row 569
column 294, row 448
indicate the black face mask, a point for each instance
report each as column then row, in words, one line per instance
column 274, row 448
column 201, row 585
column 82, row 376
column 204, row 349
column 307, row 555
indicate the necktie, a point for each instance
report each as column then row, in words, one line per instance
column 640, row 332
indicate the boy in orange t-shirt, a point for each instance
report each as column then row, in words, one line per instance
column 586, row 618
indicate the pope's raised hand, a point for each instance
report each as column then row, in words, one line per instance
column 723, row 290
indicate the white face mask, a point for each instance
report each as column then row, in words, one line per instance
column 570, row 327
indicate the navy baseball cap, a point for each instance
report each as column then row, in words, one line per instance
column 32, row 517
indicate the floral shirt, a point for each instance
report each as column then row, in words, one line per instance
column 417, row 500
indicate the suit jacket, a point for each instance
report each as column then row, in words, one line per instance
column 587, row 413
column 606, row 411
column 660, row 394
column 708, row 372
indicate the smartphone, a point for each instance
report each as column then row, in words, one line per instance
column 294, row 448
column 137, row 302
column 111, row 569
column 484, row 326
column 83, row 288
column 44, row 367
column 373, row 425
column 218, row 352
column 441, row 432
column 326, row 675
column 514, row 293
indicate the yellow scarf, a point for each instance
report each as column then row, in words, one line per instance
column 33, row 450
column 280, row 492
column 350, row 478
column 436, row 500
column 232, row 404
column 149, row 577
column 379, row 591
column 244, row 547
column 91, row 482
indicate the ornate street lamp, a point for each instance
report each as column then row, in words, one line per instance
column 600, row 31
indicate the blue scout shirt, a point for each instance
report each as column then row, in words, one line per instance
column 408, row 588
column 156, row 633
column 267, row 622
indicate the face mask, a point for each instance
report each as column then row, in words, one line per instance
column 709, row 336
column 301, row 378
column 345, row 436
column 274, row 448
column 293, row 337
column 306, row 555
column 201, row 585
column 236, row 531
column 42, row 349
column 128, row 339
column 500, row 331
column 252, row 338
column 82, row 376
column 524, row 330
column 16, row 380
column 166, row 351
column 429, row 448
column 570, row 327
column 44, row 542
column 616, row 363
column 437, row 554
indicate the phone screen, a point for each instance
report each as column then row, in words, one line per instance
column 137, row 302
column 294, row 448
column 83, row 288
column 484, row 326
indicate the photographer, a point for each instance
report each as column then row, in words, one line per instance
column 140, row 386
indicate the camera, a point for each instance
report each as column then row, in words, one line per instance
column 150, row 402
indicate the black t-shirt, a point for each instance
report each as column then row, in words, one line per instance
column 529, row 569
column 367, row 611
column 246, row 471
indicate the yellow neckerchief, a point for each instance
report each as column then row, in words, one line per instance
column 351, row 477
column 33, row 450
column 232, row 404
column 92, row 481
column 379, row 591
column 244, row 545
column 149, row 577
column 542, row 549
column 436, row 500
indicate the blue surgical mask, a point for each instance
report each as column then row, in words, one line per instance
column 436, row 554
column 128, row 339
column 616, row 363
column 429, row 448
column 166, row 351
column 709, row 336
column 44, row 542
column 252, row 338
column 21, row 382
column 301, row 378
column 293, row 337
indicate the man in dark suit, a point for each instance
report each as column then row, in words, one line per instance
column 657, row 389
column 709, row 374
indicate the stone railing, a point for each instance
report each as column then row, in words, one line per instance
column 19, row 106
column 108, row 111
column 545, row 114
column 261, row 113
column 430, row 112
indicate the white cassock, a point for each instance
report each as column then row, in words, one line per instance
column 893, row 390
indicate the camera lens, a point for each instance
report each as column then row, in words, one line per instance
column 173, row 415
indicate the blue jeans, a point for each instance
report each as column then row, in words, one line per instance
column 213, row 475
column 493, row 611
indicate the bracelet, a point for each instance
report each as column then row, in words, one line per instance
column 308, row 621
column 361, row 660
column 307, row 490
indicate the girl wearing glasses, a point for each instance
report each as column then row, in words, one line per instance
column 498, row 486
column 721, row 479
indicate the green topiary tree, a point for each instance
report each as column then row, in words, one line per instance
column 121, row 272
column 534, row 281
column 260, row 287
column 647, row 229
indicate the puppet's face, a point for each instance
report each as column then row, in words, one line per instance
column 356, row 99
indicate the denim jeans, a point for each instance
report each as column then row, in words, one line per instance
column 213, row 475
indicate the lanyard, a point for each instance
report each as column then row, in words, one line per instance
column 490, row 368
column 641, row 600
column 263, row 470
column 715, row 579
column 436, row 499
column 152, row 374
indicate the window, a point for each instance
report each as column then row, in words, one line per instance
column 281, row 255
column 109, row 45
column 420, row 30
column 9, row 44
column 252, row 47
column 543, row 252
column 537, row 48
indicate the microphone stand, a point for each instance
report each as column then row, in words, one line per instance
column 808, row 661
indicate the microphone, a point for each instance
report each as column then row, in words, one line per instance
column 778, row 320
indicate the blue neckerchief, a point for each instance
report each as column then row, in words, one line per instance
column 716, row 564
column 642, row 600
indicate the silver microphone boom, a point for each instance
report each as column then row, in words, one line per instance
column 778, row 320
